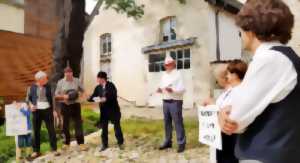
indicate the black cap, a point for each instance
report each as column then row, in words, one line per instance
column 102, row 75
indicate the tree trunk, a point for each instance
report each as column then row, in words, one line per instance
column 68, row 43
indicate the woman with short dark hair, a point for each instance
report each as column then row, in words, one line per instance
column 264, row 108
column 235, row 72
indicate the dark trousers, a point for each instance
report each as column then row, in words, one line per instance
column 73, row 112
column 118, row 132
column 173, row 112
column 226, row 155
column 38, row 117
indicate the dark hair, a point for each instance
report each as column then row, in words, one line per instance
column 102, row 75
column 238, row 67
column 270, row 20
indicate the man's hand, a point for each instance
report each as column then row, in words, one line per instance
column 159, row 90
column 55, row 115
column 170, row 90
column 66, row 97
column 227, row 125
column 33, row 108
column 102, row 99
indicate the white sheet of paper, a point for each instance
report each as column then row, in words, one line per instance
column 16, row 122
column 209, row 129
column 97, row 99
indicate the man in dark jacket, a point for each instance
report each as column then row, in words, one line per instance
column 106, row 94
column 41, row 105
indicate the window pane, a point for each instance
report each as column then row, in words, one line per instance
column 104, row 48
column 179, row 64
column 179, row 54
column 187, row 64
column 173, row 55
column 157, row 68
column 187, row 53
column 151, row 58
column 109, row 47
column 151, row 67
column 161, row 57
column 173, row 34
column 162, row 67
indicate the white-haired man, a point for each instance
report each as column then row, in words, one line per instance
column 40, row 100
column 172, row 88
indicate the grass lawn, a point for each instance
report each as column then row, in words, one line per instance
column 151, row 132
column 137, row 131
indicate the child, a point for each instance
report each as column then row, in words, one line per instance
column 24, row 141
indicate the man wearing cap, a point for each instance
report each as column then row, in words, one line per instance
column 67, row 93
column 172, row 88
column 39, row 97
column 106, row 94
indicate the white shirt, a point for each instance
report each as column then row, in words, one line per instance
column 224, row 99
column 271, row 76
column 173, row 80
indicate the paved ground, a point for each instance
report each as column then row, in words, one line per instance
column 136, row 150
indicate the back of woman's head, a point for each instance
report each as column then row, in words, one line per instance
column 269, row 20
column 238, row 67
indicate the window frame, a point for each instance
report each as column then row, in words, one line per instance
column 105, row 44
column 171, row 23
column 159, row 61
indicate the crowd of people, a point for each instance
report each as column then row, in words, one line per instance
column 258, row 108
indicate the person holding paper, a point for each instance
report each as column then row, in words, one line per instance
column 236, row 71
column 40, row 101
column 264, row 108
column 172, row 88
column 106, row 95
column 24, row 141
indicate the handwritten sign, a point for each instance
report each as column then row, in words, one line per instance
column 16, row 123
column 209, row 129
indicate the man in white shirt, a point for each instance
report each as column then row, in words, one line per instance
column 172, row 88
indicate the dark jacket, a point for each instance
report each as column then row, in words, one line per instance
column 109, row 110
column 33, row 97
column 274, row 136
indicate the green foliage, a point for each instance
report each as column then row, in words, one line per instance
column 7, row 147
column 129, row 7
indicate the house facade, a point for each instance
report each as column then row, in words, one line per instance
column 132, row 51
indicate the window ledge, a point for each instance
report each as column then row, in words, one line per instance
column 169, row 45
column 105, row 57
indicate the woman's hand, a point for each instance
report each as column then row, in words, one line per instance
column 227, row 125
column 207, row 101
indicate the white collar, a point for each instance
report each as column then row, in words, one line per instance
column 264, row 46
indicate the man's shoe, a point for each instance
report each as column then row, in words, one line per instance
column 181, row 148
column 56, row 153
column 121, row 146
column 103, row 148
column 33, row 156
column 83, row 147
column 165, row 146
column 65, row 147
